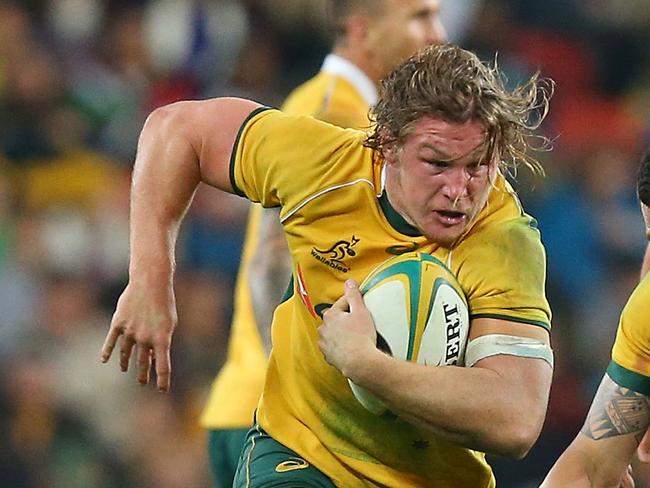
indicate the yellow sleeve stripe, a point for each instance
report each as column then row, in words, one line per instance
column 629, row 379
column 509, row 318
column 235, row 147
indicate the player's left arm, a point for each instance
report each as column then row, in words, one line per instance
column 600, row 453
column 497, row 406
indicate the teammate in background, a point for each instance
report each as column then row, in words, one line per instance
column 428, row 177
column 620, row 413
column 371, row 37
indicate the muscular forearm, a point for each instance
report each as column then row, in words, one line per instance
column 591, row 464
column 475, row 407
column 570, row 471
column 496, row 406
column 601, row 452
column 180, row 145
column 165, row 176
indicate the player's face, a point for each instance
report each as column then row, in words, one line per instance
column 404, row 27
column 437, row 179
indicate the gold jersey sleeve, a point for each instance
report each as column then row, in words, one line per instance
column 630, row 365
column 285, row 160
column 501, row 263
column 236, row 389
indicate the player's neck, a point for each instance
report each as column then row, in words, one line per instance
column 393, row 190
column 359, row 60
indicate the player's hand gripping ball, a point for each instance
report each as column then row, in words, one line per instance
column 420, row 314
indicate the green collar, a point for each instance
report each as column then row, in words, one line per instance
column 395, row 219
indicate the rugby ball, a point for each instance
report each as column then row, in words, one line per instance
column 420, row 314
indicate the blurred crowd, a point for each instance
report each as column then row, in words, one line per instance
column 77, row 80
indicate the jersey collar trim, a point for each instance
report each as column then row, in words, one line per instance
column 339, row 66
column 395, row 219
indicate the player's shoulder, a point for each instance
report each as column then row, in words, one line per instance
column 285, row 137
column 504, row 220
column 637, row 304
column 288, row 124
column 511, row 244
column 329, row 98
column 629, row 366
column 518, row 229
column 515, row 229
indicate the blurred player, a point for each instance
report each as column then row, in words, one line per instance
column 620, row 413
column 371, row 37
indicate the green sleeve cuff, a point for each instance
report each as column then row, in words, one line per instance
column 629, row 379
column 233, row 155
column 509, row 318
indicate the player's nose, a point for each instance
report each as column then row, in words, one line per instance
column 456, row 183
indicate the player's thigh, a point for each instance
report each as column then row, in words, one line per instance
column 265, row 463
column 224, row 448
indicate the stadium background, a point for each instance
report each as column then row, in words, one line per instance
column 77, row 79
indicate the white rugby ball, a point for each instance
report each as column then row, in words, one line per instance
column 420, row 314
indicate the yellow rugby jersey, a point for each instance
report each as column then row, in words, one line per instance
column 339, row 227
column 330, row 98
column 340, row 95
column 630, row 365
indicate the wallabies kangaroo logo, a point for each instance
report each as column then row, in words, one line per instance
column 334, row 256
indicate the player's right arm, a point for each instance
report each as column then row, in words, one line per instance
column 600, row 453
column 180, row 145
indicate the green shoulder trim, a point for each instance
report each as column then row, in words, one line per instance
column 538, row 323
column 629, row 379
column 235, row 145
column 395, row 219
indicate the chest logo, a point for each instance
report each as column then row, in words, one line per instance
column 334, row 256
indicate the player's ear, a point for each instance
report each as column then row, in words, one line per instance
column 389, row 152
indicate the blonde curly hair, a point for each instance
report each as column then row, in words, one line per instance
column 450, row 83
